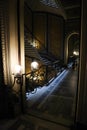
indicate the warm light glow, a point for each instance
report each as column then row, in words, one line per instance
column 35, row 44
column 34, row 65
column 18, row 69
column 76, row 53
column 34, row 78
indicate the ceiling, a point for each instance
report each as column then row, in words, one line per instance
column 69, row 9
column 72, row 8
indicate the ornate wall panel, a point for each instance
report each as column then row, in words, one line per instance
column 55, row 35
column 39, row 27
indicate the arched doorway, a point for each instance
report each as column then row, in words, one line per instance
column 71, row 46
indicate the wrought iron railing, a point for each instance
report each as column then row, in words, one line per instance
column 31, row 39
column 46, row 72
column 42, row 76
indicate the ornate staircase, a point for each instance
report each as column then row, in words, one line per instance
column 49, row 65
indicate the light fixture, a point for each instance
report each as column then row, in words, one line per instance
column 18, row 69
column 18, row 74
column 76, row 53
column 34, row 65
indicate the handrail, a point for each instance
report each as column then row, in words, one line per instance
column 34, row 71
column 34, row 37
column 40, row 77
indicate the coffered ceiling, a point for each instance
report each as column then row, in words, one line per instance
column 69, row 9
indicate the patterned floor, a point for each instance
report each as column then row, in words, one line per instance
column 26, row 122
column 59, row 105
column 51, row 108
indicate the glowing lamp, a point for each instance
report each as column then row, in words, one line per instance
column 34, row 65
column 18, row 70
column 18, row 74
column 76, row 53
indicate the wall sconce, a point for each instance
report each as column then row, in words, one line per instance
column 18, row 74
column 34, row 65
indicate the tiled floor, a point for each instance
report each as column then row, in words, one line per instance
column 56, row 102
column 50, row 108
